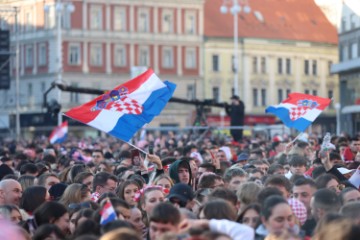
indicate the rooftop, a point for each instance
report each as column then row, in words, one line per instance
column 298, row 20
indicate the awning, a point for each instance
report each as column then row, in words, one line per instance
column 351, row 109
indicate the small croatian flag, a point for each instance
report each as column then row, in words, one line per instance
column 299, row 110
column 59, row 134
column 108, row 213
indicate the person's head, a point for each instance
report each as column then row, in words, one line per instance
column 233, row 177
column 351, row 211
column 29, row 169
column 104, row 182
column 164, row 218
column 349, row 194
column 247, row 193
column 261, row 165
column 324, row 201
column 303, row 190
column 75, row 193
column 53, row 213
column 121, row 207
column 11, row 213
column 33, row 197
column 210, row 180
column 338, row 230
column 221, row 155
column 164, row 181
column 267, row 192
column 123, row 233
column 181, row 195
column 85, row 178
column 225, row 194
column 127, row 191
column 276, row 215
column 218, row 209
column 26, row 181
column 104, row 166
column 297, row 165
column 10, row 192
column 205, row 167
column 97, row 156
column 136, row 219
column 250, row 215
column 329, row 181
column 150, row 197
column 180, row 171
column 47, row 180
column 276, row 169
column 280, row 182
column 48, row 231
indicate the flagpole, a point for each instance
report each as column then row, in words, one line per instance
column 137, row 148
column 292, row 141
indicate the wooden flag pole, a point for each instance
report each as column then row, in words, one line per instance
column 137, row 148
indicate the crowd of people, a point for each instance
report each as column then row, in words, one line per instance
column 183, row 188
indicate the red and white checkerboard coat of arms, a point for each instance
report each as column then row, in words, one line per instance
column 297, row 112
column 125, row 105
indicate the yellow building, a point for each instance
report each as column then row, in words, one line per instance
column 289, row 49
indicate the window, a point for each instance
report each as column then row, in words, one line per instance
column 43, row 86
column 50, row 17
column 143, row 20
column 280, row 67
column 96, row 17
column 314, row 92
column 74, row 54
column 66, row 20
column 331, row 95
column 96, row 55
column 215, row 63
column 288, row 66
column 344, row 53
column 280, row 95
column 263, row 97
column 343, row 24
column 314, row 67
column 330, row 63
column 254, row 65
column 352, row 21
column 307, row 91
column 28, row 21
column 42, row 54
column 29, row 58
column 354, row 51
column 190, row 58
column 216, row 94
column 255, row 97
column 190, row 22
column 190, row 92
column 120, row 56
column 263, row 65
column 120, row 19
column 144, row 56
column 167, row 21
column 288, row 91
column 168, row 57
column 306, row 67
column 30, row 89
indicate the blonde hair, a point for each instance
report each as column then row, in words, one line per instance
column 247, row 193
column 338, row 230
column 121, row 234
column 163, row 176
column 74, row 193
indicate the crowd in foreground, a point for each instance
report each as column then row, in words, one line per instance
column 182, row 189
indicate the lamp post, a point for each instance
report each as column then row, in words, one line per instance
column 337, row 108
column 236, row 7
column 60, row 9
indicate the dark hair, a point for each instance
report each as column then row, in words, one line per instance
column 88, row 226
column 101, row 179
column 45, row 230
column 207, row 181
column 267, row 192
column 219, row 209
column 28, row 168
column 318, row 171
column 208, row 166
column 274, row 167
column 323, row 180
column 269, row 204
column 233, row 172
column 75, row 170
column 49, row 212
column 304, row 181
column 278, row 180
column 254, row 206
column 121, row 189
column 225, row 194
column 165, row 213
column 124, row 154
column 344, row 191
column 114, row 225
column 326, row 199
column 297, row 160
column 117, row 202
column 32, row 198
column 81, row 176
column 42, row 178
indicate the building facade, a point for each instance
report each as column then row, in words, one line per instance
column 290, row 49
column 348, row 67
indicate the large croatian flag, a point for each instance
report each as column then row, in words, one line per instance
column 299, row 110
column 108, row 213
column 124, row 110
column 59, row 134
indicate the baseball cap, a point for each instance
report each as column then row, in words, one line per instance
column 181, row 191
column 243, row 157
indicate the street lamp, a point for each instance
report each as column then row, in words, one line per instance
column 60, row 9
column 235, row 9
